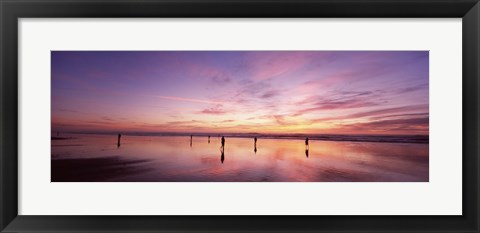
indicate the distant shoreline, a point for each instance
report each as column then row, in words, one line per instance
column 420, row 139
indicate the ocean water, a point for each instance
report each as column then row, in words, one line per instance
column 97, row 158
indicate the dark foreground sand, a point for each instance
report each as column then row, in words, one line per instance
column 93, row 169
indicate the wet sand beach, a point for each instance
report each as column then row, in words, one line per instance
column 97, row 158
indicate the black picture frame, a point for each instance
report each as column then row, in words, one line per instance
column 11, row 11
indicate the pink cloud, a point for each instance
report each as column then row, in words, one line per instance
column 189, row 99
column 213, row 111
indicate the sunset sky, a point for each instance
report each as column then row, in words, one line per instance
column 314, row 92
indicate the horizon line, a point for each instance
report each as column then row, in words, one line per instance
column 229, row 133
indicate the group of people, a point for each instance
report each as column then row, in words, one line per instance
column 222, row 148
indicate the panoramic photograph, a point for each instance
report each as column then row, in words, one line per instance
column 239, row 116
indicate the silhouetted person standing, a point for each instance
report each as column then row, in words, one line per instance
column 306, row 143
column 223, row 143
column 118, row 140
column 208, row 139
column 255, row 144
column 191, row 139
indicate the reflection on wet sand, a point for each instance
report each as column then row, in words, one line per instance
column 222, row 157
column 171, row 159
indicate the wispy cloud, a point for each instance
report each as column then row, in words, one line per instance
column 410, row 125
column 270, row 94
column 264, row 66
column 217, row 110
column 189, row 100
column 379, row 113
column 340, row 100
